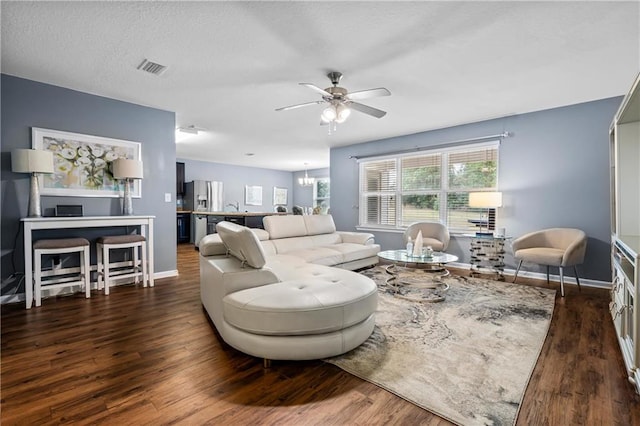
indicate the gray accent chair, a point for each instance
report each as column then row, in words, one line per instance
column 559, row 247
column 434, row 234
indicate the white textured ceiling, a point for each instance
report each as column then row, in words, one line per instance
column 232, row 63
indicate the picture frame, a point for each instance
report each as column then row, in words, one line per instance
column 253, row 195
column 81, row 164
column 279, row 196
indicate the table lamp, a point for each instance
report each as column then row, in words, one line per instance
column 485, row 200
column 127, row 170
column 32, row 161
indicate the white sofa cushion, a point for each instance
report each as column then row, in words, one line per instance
column 320, row 255
column 284, row 226
column 325, row 300
column 319, row 224
column 242, row 243
column 351, row 252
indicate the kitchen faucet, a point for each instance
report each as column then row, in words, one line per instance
column 235, row 206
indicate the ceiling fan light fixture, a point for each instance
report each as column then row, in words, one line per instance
column 342, row 113
column 329, row 114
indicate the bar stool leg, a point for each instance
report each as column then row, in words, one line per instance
column 145, row 280
column 105, row 267
column 37, row 264
column 99, row 268
column 136, row 265
column 85, row 269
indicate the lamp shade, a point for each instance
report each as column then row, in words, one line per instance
column 127, row 169
column 485, row 199
column 31, row 161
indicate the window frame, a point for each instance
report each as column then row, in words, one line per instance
column 442, row 192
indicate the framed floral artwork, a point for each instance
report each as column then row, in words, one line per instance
column 82, row 164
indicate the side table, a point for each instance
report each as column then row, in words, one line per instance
column 487, row 253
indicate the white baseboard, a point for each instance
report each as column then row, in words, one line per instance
column 20, row 297
column 165, row 274
column 543, row 276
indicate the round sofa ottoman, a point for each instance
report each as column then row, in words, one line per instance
column 323, row 312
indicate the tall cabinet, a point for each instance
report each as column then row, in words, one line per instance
column 625, row 229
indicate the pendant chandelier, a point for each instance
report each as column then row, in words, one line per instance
column 306, row 180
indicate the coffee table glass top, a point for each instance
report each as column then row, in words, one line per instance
column 400, row 256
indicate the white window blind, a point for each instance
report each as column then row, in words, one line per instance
column 378, row 192
column 430, row 186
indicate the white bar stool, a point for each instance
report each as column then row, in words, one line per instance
column 108, row 271
column 68, row 277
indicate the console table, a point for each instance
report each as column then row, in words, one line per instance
column 487, row 251
column 32, row 224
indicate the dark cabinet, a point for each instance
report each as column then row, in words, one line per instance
column 254, row 222
column 183, row 227
column 179, row 179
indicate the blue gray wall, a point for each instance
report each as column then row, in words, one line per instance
column 27, row 104
column 234, row 179
column 554, row 172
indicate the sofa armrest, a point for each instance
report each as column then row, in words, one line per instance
column 363, row 238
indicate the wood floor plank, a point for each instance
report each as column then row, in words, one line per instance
column 151, row 356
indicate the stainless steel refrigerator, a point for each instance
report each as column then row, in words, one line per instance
column 203, row 196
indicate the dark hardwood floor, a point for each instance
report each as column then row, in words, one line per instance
column 150, row 356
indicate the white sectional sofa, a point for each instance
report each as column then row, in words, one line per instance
column 314, row 238
column 283, row 292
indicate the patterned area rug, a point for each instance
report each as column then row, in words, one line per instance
column 467, row 359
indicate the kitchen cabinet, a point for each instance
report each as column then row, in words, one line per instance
column 179, row 179
column 183, row 226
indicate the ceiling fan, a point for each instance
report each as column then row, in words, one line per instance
column 341, row 102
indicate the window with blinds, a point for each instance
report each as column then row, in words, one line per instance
column 429, row 186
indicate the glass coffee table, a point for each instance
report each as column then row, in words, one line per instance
column 434, row 289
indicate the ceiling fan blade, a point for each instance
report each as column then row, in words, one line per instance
column 299, row 105
column 378, row 113
column 317, row 89
column 371, row 93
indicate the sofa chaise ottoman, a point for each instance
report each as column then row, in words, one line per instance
column 280, row 306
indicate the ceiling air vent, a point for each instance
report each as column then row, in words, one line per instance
column 152, row 67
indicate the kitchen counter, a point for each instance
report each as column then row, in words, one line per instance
column 237, row 214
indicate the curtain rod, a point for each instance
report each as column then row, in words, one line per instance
column 424, row 148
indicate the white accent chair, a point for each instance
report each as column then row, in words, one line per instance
column 434, row 234
column 559, row 247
